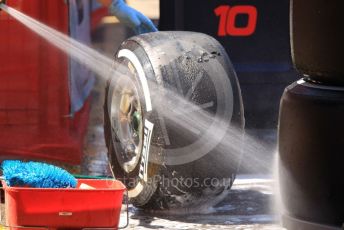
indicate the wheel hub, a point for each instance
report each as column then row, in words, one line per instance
column 126, row 121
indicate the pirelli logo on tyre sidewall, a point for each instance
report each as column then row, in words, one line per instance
column 147, row 131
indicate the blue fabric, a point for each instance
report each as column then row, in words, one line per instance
column 131, row 17
column 81, row 78
column 36, row 175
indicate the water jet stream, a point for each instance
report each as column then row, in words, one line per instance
column 254, row 151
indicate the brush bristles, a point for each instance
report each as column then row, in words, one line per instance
column 36, row 175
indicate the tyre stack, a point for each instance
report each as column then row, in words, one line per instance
column 311, row 124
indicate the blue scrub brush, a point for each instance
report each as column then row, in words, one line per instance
column 36, row 175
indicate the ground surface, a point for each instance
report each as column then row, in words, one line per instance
column 249, row 205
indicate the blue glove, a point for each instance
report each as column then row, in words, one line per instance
column 131, row 17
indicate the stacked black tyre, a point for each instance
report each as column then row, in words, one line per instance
column 171, row 105
column 311, row 139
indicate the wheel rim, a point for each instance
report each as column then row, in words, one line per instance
column 126, row 121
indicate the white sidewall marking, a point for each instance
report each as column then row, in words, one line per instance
column 142, row 76
column 148, row 129
column 135, row 191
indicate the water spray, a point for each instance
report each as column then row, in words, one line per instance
column 173, row 106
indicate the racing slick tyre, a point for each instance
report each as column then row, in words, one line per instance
column 317, row 47
column 171, row 104
column 311, row 155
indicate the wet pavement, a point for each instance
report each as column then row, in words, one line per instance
column 249, row 205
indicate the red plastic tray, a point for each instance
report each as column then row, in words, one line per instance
column 67, row 208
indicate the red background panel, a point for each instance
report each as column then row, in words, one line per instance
column 34, row 89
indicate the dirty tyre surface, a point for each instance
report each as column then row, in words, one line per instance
column 184, row 88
